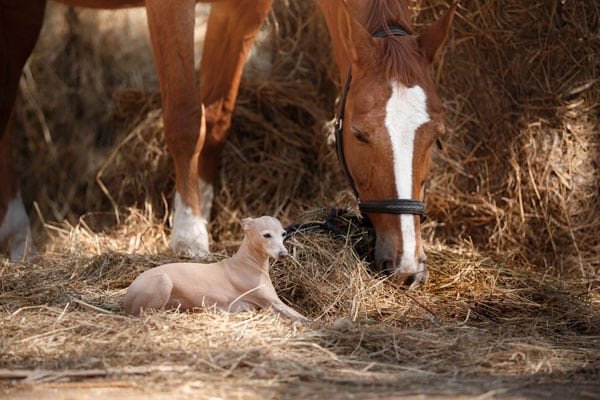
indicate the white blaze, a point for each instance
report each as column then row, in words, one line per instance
column 406, row 111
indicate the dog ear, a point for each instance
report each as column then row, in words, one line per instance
column 247, row 223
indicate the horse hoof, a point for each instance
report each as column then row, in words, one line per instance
column 24, row 252
column 190, row 233
column 191, row 240
column 190, row 248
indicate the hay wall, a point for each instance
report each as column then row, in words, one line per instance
column 518, row 174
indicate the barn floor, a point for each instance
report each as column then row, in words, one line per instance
column 478, row 329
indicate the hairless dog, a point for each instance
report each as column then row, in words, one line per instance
column 241, row 282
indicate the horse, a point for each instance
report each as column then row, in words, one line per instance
column 390, row 113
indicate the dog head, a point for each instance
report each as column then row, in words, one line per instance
column 267, row 233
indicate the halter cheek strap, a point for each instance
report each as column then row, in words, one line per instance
column 387, row 206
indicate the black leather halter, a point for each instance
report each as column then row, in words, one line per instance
column 388, row 206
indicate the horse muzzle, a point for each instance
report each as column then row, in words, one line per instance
column 410, row 273
column 412, row 280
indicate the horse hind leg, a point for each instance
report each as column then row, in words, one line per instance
column 20, row 24
column 15, row 233
column 231, row 30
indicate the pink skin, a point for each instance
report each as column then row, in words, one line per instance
column 241, row 282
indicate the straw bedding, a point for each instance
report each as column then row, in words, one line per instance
column 512, row 306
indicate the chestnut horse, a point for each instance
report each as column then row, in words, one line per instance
column 390, row 110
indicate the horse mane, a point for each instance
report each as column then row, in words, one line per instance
column 400, row 56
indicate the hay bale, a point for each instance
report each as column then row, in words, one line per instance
column 519, row 173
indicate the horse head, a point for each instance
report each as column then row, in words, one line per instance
column 390, row 116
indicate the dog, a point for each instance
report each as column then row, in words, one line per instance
column 239, row 283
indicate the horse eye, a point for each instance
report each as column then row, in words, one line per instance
column 360, row 136
column 267, row 235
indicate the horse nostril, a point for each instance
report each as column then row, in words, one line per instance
column 283, row 254
column 411, row 280
column 385, row 265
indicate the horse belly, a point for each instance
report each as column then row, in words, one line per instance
column 103, row 4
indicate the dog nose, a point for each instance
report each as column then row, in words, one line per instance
column 283, row 254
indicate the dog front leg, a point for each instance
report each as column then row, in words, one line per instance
column 281, row 308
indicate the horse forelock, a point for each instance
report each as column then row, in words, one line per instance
column 400, row 54
column 401, row 61
column 384, row 13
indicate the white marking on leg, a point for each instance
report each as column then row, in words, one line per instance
column 406, row 111
column 190, row 235
column 15, row 229
column 207, row 194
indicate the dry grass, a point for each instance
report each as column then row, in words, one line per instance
column 478, row 320
column 513, row 301
column 519, row 174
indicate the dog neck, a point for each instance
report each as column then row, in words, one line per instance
column 250, row 256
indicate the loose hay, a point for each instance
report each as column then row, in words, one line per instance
column 513, row 205
column 476, row 318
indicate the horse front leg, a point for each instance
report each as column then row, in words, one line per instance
column 171, row 26
column 231, row 30
column 20, row 24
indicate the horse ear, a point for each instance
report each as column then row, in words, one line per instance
column 358, row 42
column 247, row 223
column 433, row 38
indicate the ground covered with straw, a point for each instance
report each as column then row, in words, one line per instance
column 512, row 308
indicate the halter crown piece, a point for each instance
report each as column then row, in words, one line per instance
column 388, row 206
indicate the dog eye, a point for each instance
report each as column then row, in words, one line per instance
column 267, row 235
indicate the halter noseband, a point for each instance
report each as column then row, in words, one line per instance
column 389, row 206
